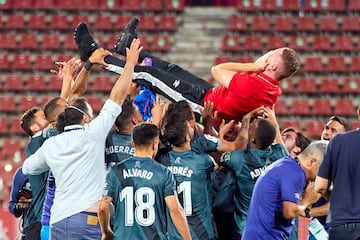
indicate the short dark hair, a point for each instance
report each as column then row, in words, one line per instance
column 265, row 134
column 127, row 112
column 302, row 141
column 60, row 122
column 144, row 134
column 27, row 119
column 73, row 115
column 52, row 109
column 181, row 109
column 174, row 132
column 340, row 120
column 288, row 129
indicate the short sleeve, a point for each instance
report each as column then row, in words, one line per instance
column 169, row 183
column 291, row 188
column 326, row 165
column 234, row 160
column 204, row 143
column 109, row 188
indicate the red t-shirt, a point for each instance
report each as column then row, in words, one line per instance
column 245, row 93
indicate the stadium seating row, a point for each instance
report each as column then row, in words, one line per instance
column 94, row 5
column 291, row 5
column 68, row 22
column 299, row 42
column 315, row 107
column 288, row 24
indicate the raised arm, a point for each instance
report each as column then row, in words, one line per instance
column 122, row 85
column 224, row 72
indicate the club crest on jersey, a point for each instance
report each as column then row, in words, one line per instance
column 137, row 164
column 225, row 157
column 177, row 160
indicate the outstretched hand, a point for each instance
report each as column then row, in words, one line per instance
column 98, row 56
column 133, row 52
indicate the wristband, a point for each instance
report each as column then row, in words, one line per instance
column 88, row 65
column 307, row 212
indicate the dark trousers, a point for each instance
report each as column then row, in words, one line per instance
column 225, row 225
column 32, row 232
column 350, row 231
column 168, row 80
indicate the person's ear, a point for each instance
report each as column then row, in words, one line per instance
column 34, row 128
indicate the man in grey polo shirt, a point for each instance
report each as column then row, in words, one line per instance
column 76, row 157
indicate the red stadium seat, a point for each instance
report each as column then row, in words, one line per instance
column 147, row 23
column 222, row 59
column 245, row 6
column 69, row 42
column 175, row 5
column 283, row 24
column 321, row 106
column 329, row 85
column 287, row 85
column 260, row 23
column 110, row 5
column 44, row 4
column 76, row 19
column 37, row 22
column 313, row 64
column 312, row 5
column 354, row 64
column 253, row 43
column 50, row 42
column 291, row 123
column 103, row 22
column 21, row 62
column 353, row 5
column 10, row 146
column 90, row 4
column 102, row 84
column 59, row 22
column 299, row 42
column 335, row 6
column 63, row 58
column 350, row 24
column 281, row 107
column 306, row 24
column 54, row 84
column 67, row 4
column 29, row 41
column 321, row 43
column 300, row 106
column 13, row 83
column 328, row 24
column 6, row 4
column 144, row 41
column 15, row 21
column 275, row 41
column 36, row 83
column 268, row 5
column 314, row 128
column 307, row 85
column 7, row 103
column 111, row 41
column 131, row 5
column 27, row 102
column 343, row 43
column 43, row 62
column 336, row 64
column 4, row 61
column 245, row 59
column 121, row 22
column 96, row 103
column 237, row 23
column 4, row 126
column 344, row 107
column 23, row 4
column 290, row 5
column 15, row 127
column 167, row 23
column 230, row 43
column 8, row 41
column 351, row 85
column 160, row 43
column 355, row 125
column 152, row 5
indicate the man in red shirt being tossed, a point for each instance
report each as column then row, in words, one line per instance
column 243, row 86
